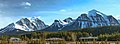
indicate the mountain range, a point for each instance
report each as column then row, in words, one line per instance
column 93, row 18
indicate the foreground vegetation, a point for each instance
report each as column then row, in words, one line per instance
column 63, row 42
column 104, row 34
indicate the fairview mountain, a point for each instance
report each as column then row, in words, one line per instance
column 93, row 18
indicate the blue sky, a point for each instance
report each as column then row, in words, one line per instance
column 49, row 10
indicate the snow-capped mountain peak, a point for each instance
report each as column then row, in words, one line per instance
column 38, row 23
column 95, row 13
column 68, row 20
column 55, row 26
column 57, row 23
column 26, row 24
column 92, row 12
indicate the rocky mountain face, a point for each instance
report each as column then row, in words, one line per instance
column 81, row 22
column 8, row 28
column 25, row 24
column 56, row 26
column 68, row 20
column 112, row 20
column 93, row 18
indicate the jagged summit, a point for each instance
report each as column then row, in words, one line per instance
column 55, row 26
column 95, row 13
column 68, row 20
column 25, row 24
column 92, row 12
column 56, row 21
column 83, row 17
column 38, row 23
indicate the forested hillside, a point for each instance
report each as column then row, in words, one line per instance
column 111, row 33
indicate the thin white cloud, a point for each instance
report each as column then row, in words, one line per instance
column 63, row 10
column 26, row 4
column 60, row 13
column 37, row 16
column 26, row 7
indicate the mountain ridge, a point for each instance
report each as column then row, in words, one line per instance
column 94, row 18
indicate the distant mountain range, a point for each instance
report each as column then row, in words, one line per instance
column 93, row 18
